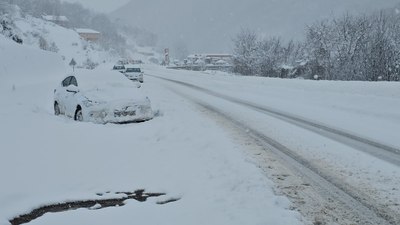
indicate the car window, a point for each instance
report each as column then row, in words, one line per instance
column 135, row 70
column 119, row 67
column 73, row 81
column 66, row 82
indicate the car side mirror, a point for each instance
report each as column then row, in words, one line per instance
column 73, row 89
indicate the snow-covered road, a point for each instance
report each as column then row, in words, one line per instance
column 385, row 152
column 363, row 169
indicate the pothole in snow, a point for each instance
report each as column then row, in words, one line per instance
column 95, row 204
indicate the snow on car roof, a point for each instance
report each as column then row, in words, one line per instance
column 88, row 79
column 132, row 66
column 108, row 85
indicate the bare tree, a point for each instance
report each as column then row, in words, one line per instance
column 269, row 57
column 246, row 43
column 320, row 46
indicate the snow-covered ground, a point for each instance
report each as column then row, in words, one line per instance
column 182, row 152
column 47, row 159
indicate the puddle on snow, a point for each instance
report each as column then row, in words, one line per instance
column 96, row 204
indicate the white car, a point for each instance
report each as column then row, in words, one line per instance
column 134, row 73
column 101, row 98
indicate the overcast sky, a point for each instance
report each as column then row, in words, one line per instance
column 105, row 6
column 210, row 25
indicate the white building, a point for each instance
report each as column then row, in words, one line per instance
column 88, row 34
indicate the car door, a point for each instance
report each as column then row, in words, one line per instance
column 62, row 94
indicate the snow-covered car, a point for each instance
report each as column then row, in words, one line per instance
column 134, row 74
column 101, row 98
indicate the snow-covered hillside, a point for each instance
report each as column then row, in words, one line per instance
column 66, row 42
column 21, row 65
column 41, row 34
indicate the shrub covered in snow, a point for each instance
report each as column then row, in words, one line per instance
column 7, row 26
column 348, row 48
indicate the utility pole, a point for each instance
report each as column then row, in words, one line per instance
column 166, row 54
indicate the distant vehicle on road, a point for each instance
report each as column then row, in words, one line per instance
column 101, row 98
column 120, row 68
column 134, row 73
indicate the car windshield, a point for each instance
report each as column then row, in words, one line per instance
column 133, row 70
column 119, row 67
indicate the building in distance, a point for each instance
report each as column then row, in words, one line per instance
column 88, row 34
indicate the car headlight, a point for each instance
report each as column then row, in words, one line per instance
column 88, row 103
column 103, row 114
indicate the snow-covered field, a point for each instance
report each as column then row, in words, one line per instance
column 47, row 159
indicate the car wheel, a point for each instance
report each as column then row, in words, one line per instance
column 56, row 109
column 78, row 115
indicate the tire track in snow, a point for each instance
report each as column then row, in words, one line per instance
column 358, row 206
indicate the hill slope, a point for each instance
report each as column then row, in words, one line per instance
column 21, row 65
column 40, row 34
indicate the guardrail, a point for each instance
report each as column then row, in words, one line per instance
column 227, row 68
